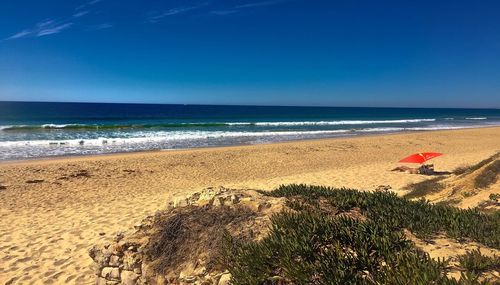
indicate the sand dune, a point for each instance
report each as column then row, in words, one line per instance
column 52, row 211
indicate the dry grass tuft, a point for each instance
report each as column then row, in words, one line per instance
column 488, row 176
column 192, row 233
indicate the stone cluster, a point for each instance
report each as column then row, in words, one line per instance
column 221, row 196
column 118, row 262
column 122, row 261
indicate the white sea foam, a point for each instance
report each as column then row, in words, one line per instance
column 428, row 128
column 210, row 124
column 57, row 126
column 148, row 137
column 334, row 123
column 165, row 136
column 476, row 118
column 148, row 140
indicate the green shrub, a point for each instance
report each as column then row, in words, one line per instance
column 310, row 248
column 314, row 245
column 421, row 217
column 473, row 261
column 494, row 197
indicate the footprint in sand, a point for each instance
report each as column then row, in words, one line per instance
column 25, row 279
column 34, row 181
column 22, row 260
column 48, row 273
column 60, row 262
column 11, row 281
column 8, row 257
column 30, row 268
column 57, row 275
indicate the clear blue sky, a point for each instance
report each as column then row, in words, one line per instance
column 265, row 52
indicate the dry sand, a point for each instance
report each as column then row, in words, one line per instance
column 46, row 226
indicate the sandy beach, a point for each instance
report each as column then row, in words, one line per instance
column 53, row 210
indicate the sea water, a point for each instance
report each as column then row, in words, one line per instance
column 32, row 130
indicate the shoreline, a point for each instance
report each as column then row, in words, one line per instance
column 159, row 151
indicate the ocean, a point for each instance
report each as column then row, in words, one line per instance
column 35, row 130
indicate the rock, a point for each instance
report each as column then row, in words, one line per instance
column 102, row 233
column 100, row 281
column 146, row 271
column 131, row 261
column 225, row 279
column 119, row 236
column 206, row 197
column 180, row 202
column 235, row 199
column 201, row 271
column 202, row 203
column 187, row 276
column 117, row 249
column 193, row 197
column 114, row 261
column 129, row 277
column 218, row 202
column 252, row 204
column 111, row 273
column 383, row 188
column 101, row 257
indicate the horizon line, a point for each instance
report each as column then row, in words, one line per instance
column 245, row 105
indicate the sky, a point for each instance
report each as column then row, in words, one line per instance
column 262, row 52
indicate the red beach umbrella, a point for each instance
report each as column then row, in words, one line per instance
column 420, row 157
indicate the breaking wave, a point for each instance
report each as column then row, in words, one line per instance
column 84, row 127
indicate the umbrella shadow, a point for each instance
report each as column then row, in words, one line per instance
column 438, row 173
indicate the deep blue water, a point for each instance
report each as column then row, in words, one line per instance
column 29, row 130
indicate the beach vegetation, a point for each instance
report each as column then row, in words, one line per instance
column 474, row 261
column 469, row 169
column 319, row 241
column 311, row 248
column 420, row 217
column 494, row 197
column 488, row 176
column 194, row 232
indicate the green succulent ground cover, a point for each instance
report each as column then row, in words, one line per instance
column 311, row 245
column 476, row 263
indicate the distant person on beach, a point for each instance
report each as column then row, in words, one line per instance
column 426, row 169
